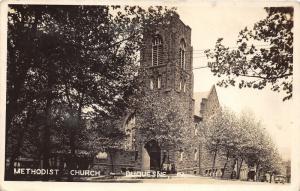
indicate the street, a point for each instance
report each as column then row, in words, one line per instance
column 181, row 180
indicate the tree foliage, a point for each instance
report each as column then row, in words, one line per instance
column 164, row 121
column 241, row 138
column 66, row 66
column 263, row 57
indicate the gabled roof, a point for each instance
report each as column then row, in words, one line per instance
column 198, row 97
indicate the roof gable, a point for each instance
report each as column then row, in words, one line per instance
column 199, row 96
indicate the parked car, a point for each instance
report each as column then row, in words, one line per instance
column 279, row 179
column 263, row 178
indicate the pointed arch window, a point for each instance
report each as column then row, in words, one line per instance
column 157, row 50
column 182, row 52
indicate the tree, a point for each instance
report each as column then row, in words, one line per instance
column 23, row 86
column 257, row 150
column 241, row 139
column 221, row 135
column 70, row 63
column 273, row 163
column 247, row 127
column 251, row 66
column 104, row 135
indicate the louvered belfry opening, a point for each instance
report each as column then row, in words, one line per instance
column 157, row 50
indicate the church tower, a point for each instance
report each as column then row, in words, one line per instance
column 167, row 58
column 166, row 74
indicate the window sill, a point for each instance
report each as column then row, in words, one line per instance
column 156, row 66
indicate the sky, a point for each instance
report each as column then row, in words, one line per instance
column 212, row 22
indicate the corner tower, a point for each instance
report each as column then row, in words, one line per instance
column 167, row 76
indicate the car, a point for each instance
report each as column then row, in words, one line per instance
column 280, row 179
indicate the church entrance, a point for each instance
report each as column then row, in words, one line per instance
column 154, row 152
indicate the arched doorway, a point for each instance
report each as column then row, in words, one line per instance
column 154, row 152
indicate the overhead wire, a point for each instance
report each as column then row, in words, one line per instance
column 198, row 52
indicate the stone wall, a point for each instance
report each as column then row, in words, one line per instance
column 210, row 105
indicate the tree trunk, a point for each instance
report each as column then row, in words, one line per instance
column 199, row 159
column 214, row 159
column 239, row 166
column 225, row 165
column 46, row 137
column 162, row 162
column 111, row 154
column 232, row 167
column 72, row 148
column 257, row 172
column 161, row 165
column 74, row 128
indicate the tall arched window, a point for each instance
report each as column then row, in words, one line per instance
column 151, row 84
column 181, row 156
column 159, row 82
column 180, row 85
column 195, row 154
column 157, row 50
column 182, row 54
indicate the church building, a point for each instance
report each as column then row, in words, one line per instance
column 166, row 73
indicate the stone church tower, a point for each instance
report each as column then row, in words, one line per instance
column 166, row 72
column 167, row 58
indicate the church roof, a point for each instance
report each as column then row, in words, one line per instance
column 198, row 96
